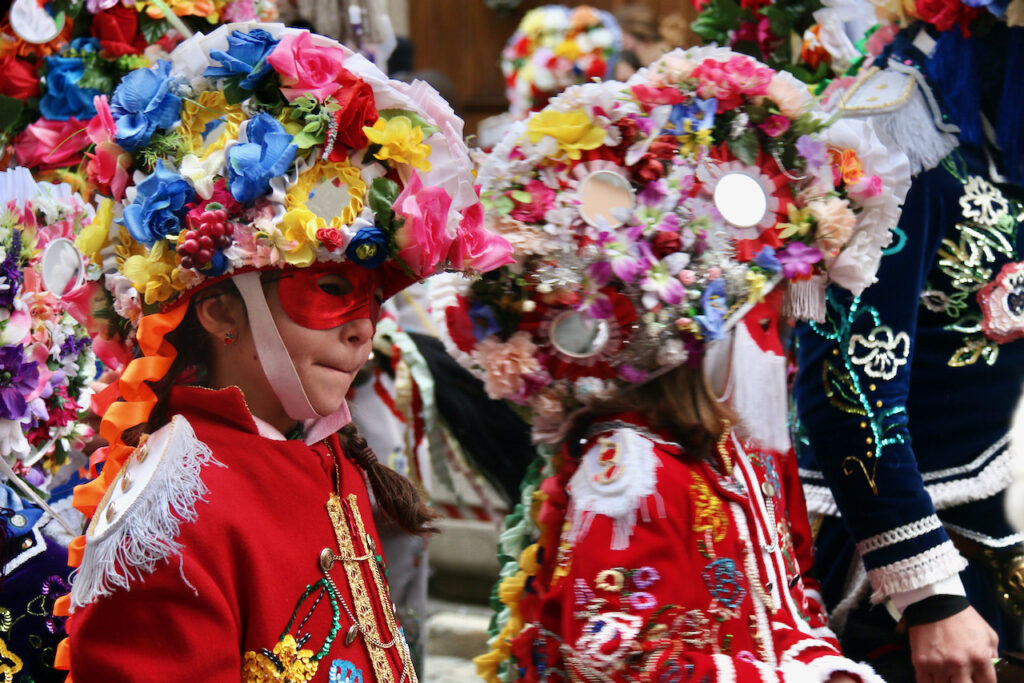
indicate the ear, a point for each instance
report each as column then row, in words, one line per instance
column 222, row 315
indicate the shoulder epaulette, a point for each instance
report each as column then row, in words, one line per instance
column 137, row 522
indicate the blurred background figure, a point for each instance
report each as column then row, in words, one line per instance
column 646, row 36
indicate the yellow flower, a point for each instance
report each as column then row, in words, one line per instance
column 573, row 131
column 296, row 238
column 155, row 275
column 799, row 223
column 568, row 49
column 95, row 236
column 399, row 141
column 299, row 665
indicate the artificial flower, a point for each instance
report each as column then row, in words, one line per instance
column 159, row 207
column 797, row 260
column 775, row 125
column 246, row 63
column 21, row 78
column 798, row 225
column 423, row 238
column 95, row 235
column 355, row 111
column 143, row 103
column 730, row 81
column 64, row 99
column 306, row 69
column 787, row 96
column 117, row 30
column 573, row 132
column 266, row 153
column 713, row 303
column 297, row 237
column 399, row 141
column 203, row 172
column 155, row 275
column 506, row 363
column 368, row 248
column 532, row 202
column 477, row 248
column 19, row 377
column 10, row 272
column 51, row 144
column 836, row 223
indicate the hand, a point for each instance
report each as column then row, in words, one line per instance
column 957, row 649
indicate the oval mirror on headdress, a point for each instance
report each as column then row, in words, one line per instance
column 578, row 335
column 601, row 193
column 33, row 24
column 62, row 267
column 740, row 199
column 328, row 200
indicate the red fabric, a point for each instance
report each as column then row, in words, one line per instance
column 569, row 593
column 250, row 556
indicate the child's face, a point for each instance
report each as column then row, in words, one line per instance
column 326, row 360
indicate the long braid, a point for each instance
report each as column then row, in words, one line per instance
column 396, row 496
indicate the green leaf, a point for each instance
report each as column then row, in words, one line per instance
column 522, row 196
column 414, row 118
column 10, row 110
column 381, row 198
column 305, row 140
column 504, row 205
column 745, row 147
column 152, row 29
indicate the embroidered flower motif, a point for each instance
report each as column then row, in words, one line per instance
column 983, row 202
column 607, row 637
column 292, row 666
column 724, row 582
column 611, row 580
column 1002, row 305
column 882, row 352
column 642, row 601
column 645, row 577
column 343, row 671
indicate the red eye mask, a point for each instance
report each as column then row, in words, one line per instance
column 322, row 298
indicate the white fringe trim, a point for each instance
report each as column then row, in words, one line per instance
column 146, row 532
column 726, row 668
column 821, row 669
column 899, row 534
column 915, row 572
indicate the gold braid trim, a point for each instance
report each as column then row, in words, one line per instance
column 364, row 610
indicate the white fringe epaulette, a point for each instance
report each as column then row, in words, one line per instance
column 1015, row 492
column 904, row 109
column 617, row 478
column 137, row 523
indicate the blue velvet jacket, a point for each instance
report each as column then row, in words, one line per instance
column 905, row 393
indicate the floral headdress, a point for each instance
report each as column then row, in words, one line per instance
column 46, row 364
column 595, row 303
column 555, row 47
column 51, row 79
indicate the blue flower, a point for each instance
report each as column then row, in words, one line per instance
column 18, row 378
column 713, row 303
column 159, row 207
column 766, row 259
column 484, row 322
column 246, row 58
column 267, row 155
column 701, row 114
column 142, row 103
column 64, row 99
column 369, row 248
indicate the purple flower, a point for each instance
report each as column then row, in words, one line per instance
column 812, row 150
column 10, row 272
column 714, row 305
column 631, row 374
column 797, row 259
column 18, row 378
column 653, row 193
column 642, row 601
column 484, row 322
column 599, row 306
column 645, row 577
column 766, row 259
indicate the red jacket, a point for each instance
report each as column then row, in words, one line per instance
column 249, row 576
column 658, row 566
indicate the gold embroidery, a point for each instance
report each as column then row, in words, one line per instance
column 364, row 609
column 709, row 515
column 383, row 596
column 299, row 665
column 10, row 664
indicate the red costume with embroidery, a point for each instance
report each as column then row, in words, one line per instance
column 274, row 572
column 657, row 566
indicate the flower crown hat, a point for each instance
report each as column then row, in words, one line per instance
column 263, row 148
column 555, row 47
column 46, row 364
column 646, row 218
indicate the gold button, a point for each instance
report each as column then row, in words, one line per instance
column 869, row 440
column 369, row 542
column 767, row 489
column 863, row 425
column 141, row 452
column 126, row 481
column 872, row 387
column 326, row 559
column 350, row 636
column 111, row 513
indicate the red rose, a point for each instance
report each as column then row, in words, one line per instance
column 332, row 238
column 51, row 144
column 648, row 169
column 21, row 78
column 357, row 110
column 117, row 29
column 664, row 147
column 666, row 242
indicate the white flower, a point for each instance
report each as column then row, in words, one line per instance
column 12, row 440
column 202, row 172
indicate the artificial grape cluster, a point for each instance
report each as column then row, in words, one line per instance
column 208, row 233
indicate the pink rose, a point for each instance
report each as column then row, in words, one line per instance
column 306, row 69
column 505, row 364
column 775, row 125
column 476, row 247
column 423, row 239
column 869, row 186
column 49, row 144
column 542, row 199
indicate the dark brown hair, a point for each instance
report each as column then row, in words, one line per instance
column 396, row 496
column 679, row 402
